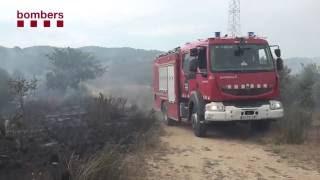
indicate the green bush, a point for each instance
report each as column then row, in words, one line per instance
column 69, row 67
column 298, row 93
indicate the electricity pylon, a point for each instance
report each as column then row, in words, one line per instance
column 234, row 26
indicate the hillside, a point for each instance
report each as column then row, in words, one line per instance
column 124, row 64
column 296, row 63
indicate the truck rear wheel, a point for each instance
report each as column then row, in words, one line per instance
column 198, row 126
column 260, row 126
column 168, row 121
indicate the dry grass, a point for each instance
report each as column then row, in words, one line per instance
column 105, row 164
column 114, row 162
column 131, row 133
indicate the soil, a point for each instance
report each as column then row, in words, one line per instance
column 227, row 153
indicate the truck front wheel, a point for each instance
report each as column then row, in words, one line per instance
column 198, row 126
column 165, row 117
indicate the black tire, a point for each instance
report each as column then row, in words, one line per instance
column 198, row 125
column 260, row 126
column 168, row 121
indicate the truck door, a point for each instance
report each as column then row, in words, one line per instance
column 202, row 75
column 184, row 84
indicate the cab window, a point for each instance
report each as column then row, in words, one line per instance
column 185, row 64
column 202, row 57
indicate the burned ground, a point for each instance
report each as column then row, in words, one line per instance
column 62, row 140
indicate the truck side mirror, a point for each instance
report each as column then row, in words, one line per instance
column 277, row 52
column 194, row 52
column 279, row 64
column 193, row 65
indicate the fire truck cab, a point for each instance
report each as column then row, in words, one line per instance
column 220, row 79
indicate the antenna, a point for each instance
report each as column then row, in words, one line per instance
column 234, row 26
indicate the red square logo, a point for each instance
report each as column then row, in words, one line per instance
column 33, row 23
column 46, row 23
column 20, row 23
column 59, row 23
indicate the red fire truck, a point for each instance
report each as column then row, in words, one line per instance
column 219, row 79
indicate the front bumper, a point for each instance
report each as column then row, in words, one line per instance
column 232, row 113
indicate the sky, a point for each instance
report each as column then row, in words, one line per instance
column 163, row 24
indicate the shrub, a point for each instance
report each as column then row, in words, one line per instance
column 298, row 95
column 5, row 95
column 69, row 67
column 294, row 125
column 115, row 119
column 127, row 130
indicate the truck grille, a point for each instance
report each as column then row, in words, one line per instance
column 246, row 104
column 247, row 92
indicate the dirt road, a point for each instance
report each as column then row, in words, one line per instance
column 227, row 155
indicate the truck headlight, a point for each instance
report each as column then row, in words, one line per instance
column 215, row 106
column 275, row 105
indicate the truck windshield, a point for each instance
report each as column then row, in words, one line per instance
column 241, row 58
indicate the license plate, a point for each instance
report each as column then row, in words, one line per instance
column 248, row 117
